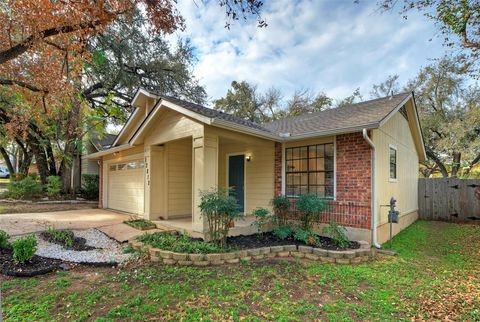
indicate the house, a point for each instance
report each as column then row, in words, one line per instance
column 358, row 156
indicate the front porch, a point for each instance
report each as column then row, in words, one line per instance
column 177, row 170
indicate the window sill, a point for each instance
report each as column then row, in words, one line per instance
column 392, row 180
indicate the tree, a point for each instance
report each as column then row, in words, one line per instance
column 355, row 97
column 244, row 101
column 389, row 86
column 458, row 21
column 449, row 110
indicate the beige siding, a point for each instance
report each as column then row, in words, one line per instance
column 259, row 171
column 179, row 163
column 396, row 132
column 170, row 125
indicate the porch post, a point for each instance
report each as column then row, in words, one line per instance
column 205, row 174
column 155, row 191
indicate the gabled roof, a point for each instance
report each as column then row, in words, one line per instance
column 365, row 115
column 102, row 142
column 214, row 114
column 368, row 114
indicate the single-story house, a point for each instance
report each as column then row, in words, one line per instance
column 358, row 156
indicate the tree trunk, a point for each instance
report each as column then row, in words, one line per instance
column 441, row 166
column 6, row 157
column 40, row 158
column 457, row 156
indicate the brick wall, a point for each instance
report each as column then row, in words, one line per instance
column 278, row 169
column 100, row 184
column 354, row 174
column 352, row 206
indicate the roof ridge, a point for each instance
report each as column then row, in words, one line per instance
column 318, row 113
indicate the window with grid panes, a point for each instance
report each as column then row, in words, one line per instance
column 309, row 169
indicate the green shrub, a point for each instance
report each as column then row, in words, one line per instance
column 220, row 209
column 176, row 242
column 283, row 232
column 64, row 237
column 4, row 239
column 281, row 209
column 337, row 233
column 24, row 248
column 263, row 217
column 25, row 188
column 90, row 186
column 306, row 236
column 54, row 185
column 309, row 207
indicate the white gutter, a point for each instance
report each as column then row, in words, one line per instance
column 374, row 190
column 99, row 154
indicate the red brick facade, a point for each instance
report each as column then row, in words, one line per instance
column 277, row 171
column 100, row 184
column 352, row 206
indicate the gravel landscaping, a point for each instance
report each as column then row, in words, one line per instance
column 106, row 250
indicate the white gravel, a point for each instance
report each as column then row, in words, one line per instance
column 109, row 251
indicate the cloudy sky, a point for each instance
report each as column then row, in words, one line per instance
column 334, row 46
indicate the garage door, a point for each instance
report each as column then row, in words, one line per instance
column 125, row 186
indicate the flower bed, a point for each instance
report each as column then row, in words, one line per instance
column 36, row 266
column 140, row 224
column 195, row 252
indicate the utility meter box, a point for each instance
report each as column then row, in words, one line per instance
column 393, row 216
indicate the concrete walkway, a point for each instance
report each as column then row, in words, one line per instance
column 20, row 224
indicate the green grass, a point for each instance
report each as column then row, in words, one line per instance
column 436, row 275
column 141, row 224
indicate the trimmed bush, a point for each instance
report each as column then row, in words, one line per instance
column 24, row 189
column 90, row 186
column 309, row 207
column 337, row 233
column 220, row 209
column 4, row 239
column 54, row 185
column 283, row 232
column 306, row 236
column 24, row 248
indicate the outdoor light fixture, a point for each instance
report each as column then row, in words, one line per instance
column 248, row 157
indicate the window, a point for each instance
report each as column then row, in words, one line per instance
column 113, row 167
column 131, row 165
column 121, row 166
column 309, row 169
column 393, row 163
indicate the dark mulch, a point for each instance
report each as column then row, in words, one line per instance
column 36, row 266
column 269, row 239
column 79, row 243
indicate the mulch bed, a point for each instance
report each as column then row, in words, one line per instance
column 36, row 266
column 269, row 239
column 79, row 243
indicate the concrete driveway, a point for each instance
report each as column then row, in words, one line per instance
column 20, row 224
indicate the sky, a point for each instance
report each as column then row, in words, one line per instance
column 331, row 46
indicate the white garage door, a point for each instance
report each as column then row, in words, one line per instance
column 126, row 187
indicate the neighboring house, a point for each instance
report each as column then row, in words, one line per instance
column 170, row 150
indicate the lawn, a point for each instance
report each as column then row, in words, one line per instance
column 18, row 207
column 435, row 276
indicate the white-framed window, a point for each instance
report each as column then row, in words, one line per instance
column 392, row 160
column 310, row 169
column 113, row 167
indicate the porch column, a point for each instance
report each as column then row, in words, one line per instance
column 155, row 189
column 205, row 174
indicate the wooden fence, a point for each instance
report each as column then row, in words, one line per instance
column 449, row 199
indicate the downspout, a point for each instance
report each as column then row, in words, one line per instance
column 374, row 189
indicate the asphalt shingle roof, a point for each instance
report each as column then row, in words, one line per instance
column 362, row 114
column 356, row 115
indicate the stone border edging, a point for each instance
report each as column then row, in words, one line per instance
column 353, row 256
